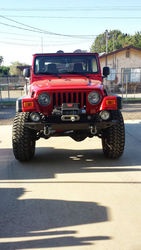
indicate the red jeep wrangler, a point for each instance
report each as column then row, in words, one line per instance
column 67, row 98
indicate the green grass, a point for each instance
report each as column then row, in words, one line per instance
column 131, row 99
column 7, row 103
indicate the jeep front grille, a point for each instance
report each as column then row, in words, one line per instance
column 69, row 97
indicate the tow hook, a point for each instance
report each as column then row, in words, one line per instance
column 93, row 130
column 47, row 131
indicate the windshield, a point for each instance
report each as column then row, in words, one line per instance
column 66, row 64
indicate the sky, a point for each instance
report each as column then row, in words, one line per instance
column 35, row 26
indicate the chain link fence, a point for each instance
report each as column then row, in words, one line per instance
column 11, row 87
column 126, row 83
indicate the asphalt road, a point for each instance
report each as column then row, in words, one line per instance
column 70, row 196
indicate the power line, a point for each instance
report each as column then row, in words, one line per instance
column 20, row 39
column 39, row 37
column 39, row 44
column 77, row 17
column 45, row 41
column 19, row 44
column 35, row 29
column 16, row 34
column 126, row 7
column 13, row 26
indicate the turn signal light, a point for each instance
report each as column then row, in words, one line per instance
column 110, row 102
column 28, row 104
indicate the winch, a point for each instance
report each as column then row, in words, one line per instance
column 72, row 118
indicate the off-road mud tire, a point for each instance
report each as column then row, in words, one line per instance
column 23, row 138
column 113, row 138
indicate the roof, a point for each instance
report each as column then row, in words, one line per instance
column 119, row 50
column 23, row 67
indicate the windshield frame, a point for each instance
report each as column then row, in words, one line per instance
column 69, row 56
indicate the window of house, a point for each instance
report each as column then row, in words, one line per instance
column 131, row 75
column 126, row 75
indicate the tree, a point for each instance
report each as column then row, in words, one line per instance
column 4, row 71
column 14, row 70
column 116, row 40
column 137, row 40
column 1, row 60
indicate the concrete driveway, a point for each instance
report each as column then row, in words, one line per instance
column 70, row 196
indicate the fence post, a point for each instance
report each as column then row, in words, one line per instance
column 0, row 93
column 126, row 85
column 122, row 81
column 8, row 88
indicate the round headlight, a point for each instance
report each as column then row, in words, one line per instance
column 94, row 98
column 44, row 99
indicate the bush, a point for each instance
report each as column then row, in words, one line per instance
column 4, row 71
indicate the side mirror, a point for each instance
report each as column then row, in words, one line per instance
column 106, row 71
column 26, row 72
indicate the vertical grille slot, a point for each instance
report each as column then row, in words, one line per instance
column 59, row 99
column 64, row 98
column 84, row 99
column 54, row 99
column 74, row 97
column 69, row 97
column 79, row 99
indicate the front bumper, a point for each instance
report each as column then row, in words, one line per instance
column 99, row 125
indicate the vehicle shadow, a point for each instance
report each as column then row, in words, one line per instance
column 38, row 219
column 49, row 161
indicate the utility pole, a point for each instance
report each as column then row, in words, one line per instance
column 113, row 49
column 113, row 41
column 106, row 35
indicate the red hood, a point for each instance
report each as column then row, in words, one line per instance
column 66, row 83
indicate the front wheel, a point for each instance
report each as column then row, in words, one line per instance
column 113, row 138
column 23, row 138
